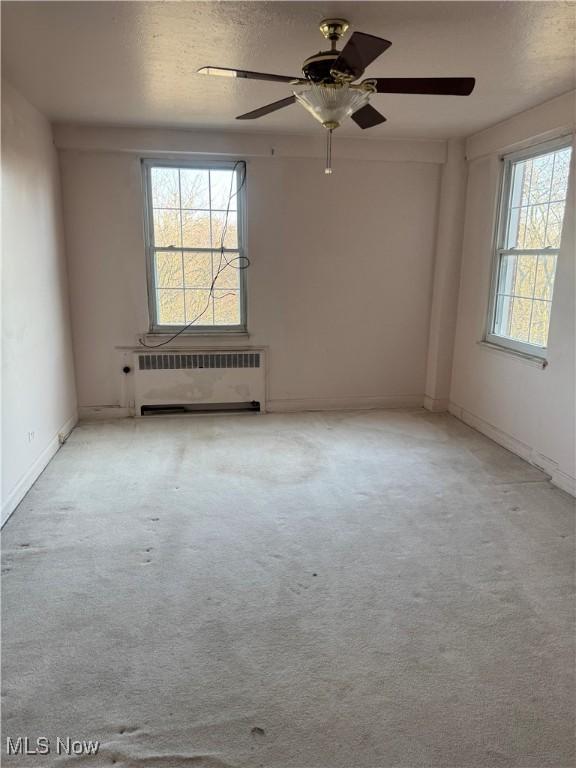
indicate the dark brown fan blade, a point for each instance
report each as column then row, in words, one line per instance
column 367, row 117
column 440, row 86
column 261, row 111
column 226, row 72
column 360, row 51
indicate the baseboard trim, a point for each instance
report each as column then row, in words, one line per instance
column 564, row 481
column 292, row 405
column 29, row 478
column 558, row 477
column 103, row 412
column 436, row 404
column 288, row 405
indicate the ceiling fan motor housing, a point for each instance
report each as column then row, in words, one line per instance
column 317, row 68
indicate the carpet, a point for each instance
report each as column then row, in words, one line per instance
column 346, row 590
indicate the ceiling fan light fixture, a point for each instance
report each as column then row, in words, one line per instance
column 330, row 104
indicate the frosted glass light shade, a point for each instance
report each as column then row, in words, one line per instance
column 332, row 103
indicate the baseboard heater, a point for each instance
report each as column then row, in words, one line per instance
column 164, row 410
column 211, row 381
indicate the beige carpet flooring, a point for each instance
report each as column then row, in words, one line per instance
column 358, row 590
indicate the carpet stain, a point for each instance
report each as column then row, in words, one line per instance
column 122, row 729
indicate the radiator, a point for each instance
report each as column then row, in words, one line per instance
column 211, row 380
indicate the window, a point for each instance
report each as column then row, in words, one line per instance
column 532, row 206
column 196, row 258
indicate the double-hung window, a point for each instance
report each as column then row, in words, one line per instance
column 195, row 245
column 532, row 204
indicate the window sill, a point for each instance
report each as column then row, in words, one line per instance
column 156, row 333
column 190, row 339
column 525, row 357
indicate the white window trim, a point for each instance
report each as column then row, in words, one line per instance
column 155, row 328
column 512, row 345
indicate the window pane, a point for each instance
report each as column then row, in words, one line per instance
column 541, row 179
column 199, row 309
column 165, row 193
column 196, row 229
column 226, row 307
column 520, row 319
column 554, row 229
column 525, row 276
column 170, row 307
column 535, row 236
column 167, row 228
column 516, row 228
column 221, row 220
column 520, row 184
column 195, row 188
column 561, row 170
column 229, row 274
column 507, row 274
column 502, row 315
column 540, row 323
column 169, row 269
column 198, row 270
column 545, row 274
column 222, row 190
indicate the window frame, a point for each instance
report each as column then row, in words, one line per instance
column 148, row 163
column 507, row 161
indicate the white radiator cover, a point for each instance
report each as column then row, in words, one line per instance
column 199, row 377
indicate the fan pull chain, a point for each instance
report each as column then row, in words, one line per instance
column 328, row 168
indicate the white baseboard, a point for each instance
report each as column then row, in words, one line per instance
column 557, row 476
column 291, row 405
column 564, row 481
column 550, row 467
column 288, row 405
column 436, row 404
column 99, row 412
column 29, row 478
column 507, row 441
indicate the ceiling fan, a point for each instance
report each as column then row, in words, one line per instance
column 329, row 90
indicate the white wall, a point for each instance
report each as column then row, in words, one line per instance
column 341, row 277
column 38, row 389
column 528, row 408
column 446, row 277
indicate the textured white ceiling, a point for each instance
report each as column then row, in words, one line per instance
column 134, row 63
